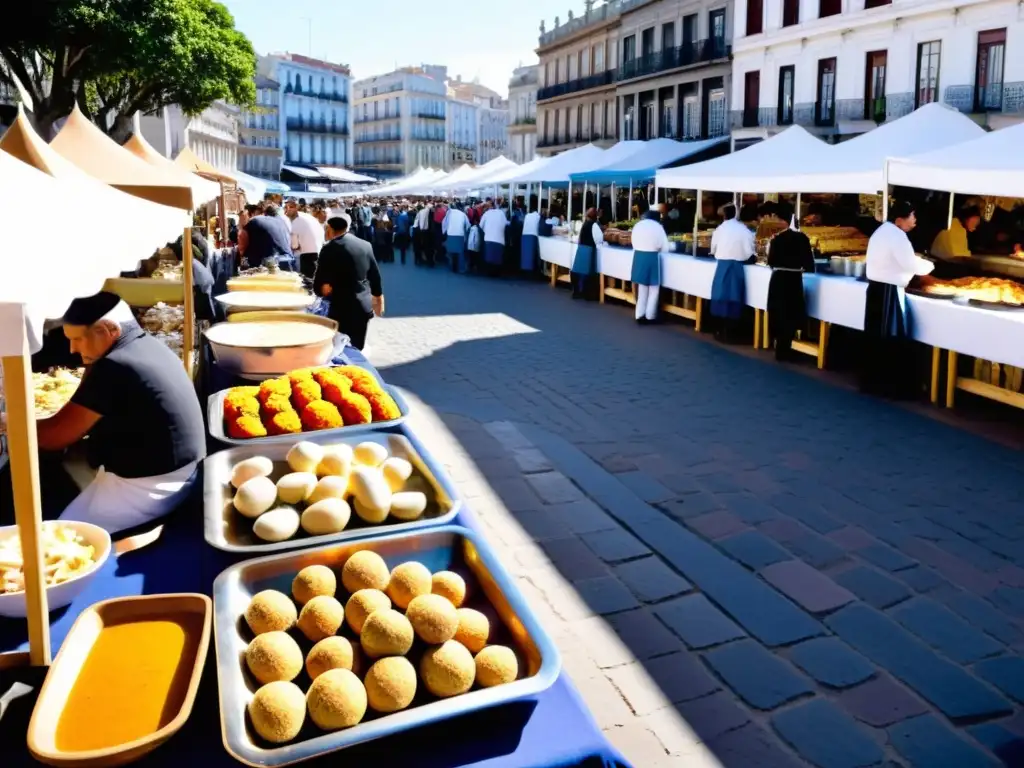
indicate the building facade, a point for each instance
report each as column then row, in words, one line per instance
column 462, row 133
column 491, row 117
column 401, row 121
column 212, row 134
column 522, row 118
column 635, row 69
column 840, row 67
column 259, row 132
column 314, row 120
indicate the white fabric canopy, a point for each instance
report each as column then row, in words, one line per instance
column 40, row 282
column 641, row 166
column 506, row 174
column 439, row 183
column 344, row 175
column 558, row 168
column 417, row 179
column 857, row 165
column 306, row 173
column 480, row 175
column 778, row 164
column 992, row 164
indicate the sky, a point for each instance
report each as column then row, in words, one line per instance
column 475, row 40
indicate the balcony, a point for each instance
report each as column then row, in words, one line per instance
column 599, row 80
column 371, row 119
column 1000, row 98
column 307, row 125
column 426, row 136
column 429, row 116
column 313, row 93
column 377, row 137
column 698, row 52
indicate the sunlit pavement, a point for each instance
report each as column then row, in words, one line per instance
column 740, row 562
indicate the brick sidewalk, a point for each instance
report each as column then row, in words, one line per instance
column 742, row 565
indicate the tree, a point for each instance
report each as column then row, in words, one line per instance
column 118, row 57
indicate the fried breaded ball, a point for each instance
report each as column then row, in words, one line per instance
column 241, row 393
column 336, row 699
column 322, row 374
column 284, row 423
column 362, row 380
column 449, row 585
column 382, row 406
column 277, row 404
column 433, row 618
column 245, row 427
column 313, row 580
column 321, row 415
column 330, row 653
column 278, row 711
column 391, row 684
column 474, row 629
column 278, row 386
column 273, row 656
column 304, row 393
column 365, row 570
column 300, row 374
column 496, row 665
column 270, row 611
column 447, row 669
column 321, row 617
column 386, row 633
column 355, row 409
column 408, row 580
column 333, row 388
column 241, row 406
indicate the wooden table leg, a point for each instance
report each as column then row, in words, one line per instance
column 700, row 313
column 767, row 337
column 823, row 331
column 757, row 328
column 951, row 379
column 600, row 289
column 554, row 274
column 936, row 364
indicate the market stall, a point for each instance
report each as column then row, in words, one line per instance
column 203, row 190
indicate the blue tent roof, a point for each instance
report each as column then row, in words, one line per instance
column 643, row 165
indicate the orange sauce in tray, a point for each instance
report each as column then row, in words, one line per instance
column 132, row 684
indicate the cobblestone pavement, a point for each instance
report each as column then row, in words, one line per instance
column 742, row 565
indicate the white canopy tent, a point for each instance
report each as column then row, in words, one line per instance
column 440, row 183
column 992, row 164
column 343, row 175
column 478, row 176
column 857, row 165
column 778, row 164
column 558, row 168
column 642, row 166
column 404, row 186
column 504, row 175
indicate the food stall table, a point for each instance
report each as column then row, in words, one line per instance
column 553, row 728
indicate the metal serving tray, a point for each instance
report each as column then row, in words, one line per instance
column 226, row 529
column 491, row 590
column 215, row 418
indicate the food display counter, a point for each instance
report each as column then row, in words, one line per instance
column 952, row 327
column 539, row 719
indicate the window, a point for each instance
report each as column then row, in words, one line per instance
column 928, row 56
column 599, row 58
column 786, row 90
column 716, row 25
column 579, row 123
column 825, row 108
column 647, row 43
column 558, row 70
column 555, row 135
column 668, row 36
column 668, row 109
column 874, row 86
column 988, row 94
column 755, row 17
column 829, row 8
column 570, row 67
column 876, row 3
column 790, row 12
column 604, row 120
column 716, row 112
column 585, row 63
column 628, row 49
column 691, row 117
column 690, row 29
column 593, row 127
column 567, row 125
column 751, row 98
column 627, row 122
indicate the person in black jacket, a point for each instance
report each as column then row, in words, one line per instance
column 347, row 275
column 789, row 256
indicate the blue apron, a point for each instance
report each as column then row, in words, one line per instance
column 646, row 268
column 728, row 289
column 583, row 262
column 494, row 253
column 455, row 244
column 529, row 252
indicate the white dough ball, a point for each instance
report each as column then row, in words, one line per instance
column 296, row 487
column 330, row 487
column 304, row 456
column 370, row 514
column 371, row 491
column 408, row 505
column 337, row 460
column 257, row 466
column 255, row 496
column 329, row 515
column 396, row 472
column 278, row 524
column 370, row 454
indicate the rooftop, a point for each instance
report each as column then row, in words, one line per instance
column 608, row 11
column 309, row 61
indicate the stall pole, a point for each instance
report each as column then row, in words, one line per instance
column 885, row 191
column 222, row 220
column 189, row 326
column 583, row 207
column 798, row 217
column 657, row 194
column 568, row 210
column 949, row 220
column 629, row 202
column 540, row 196
column 615, row 212
column 696, row 221
column 24, row 458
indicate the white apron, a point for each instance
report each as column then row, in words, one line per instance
column 119, row 503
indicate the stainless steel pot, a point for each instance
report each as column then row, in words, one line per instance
column 270, row 348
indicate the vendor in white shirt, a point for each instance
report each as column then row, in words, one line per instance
column 732, row 244
column 493, row 224
column 530, row 248
column 455, row 228
column 584, row 263
column 649, row 241
column 888, row 367
column 307, row 237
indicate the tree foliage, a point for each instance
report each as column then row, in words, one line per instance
column 117, row 57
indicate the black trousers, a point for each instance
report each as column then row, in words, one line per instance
column 426, row 247
column 402, row 244
column 354, row 326
column 307, row 264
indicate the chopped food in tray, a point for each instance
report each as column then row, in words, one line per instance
column 307, row 400
column 364, row 641
column 991, row 290
column 65, row 555
column 52, row 390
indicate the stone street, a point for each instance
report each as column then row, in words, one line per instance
column 743, row 565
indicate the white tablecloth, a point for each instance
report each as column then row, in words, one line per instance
column 995, row 335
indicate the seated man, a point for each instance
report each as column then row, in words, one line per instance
column 140, row 414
